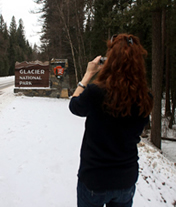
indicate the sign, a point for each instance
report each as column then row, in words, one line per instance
column 31, row 75
column 59, row 67
column 58, row 70
column 61, row 62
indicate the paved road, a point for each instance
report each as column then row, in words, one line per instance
column 7, row 84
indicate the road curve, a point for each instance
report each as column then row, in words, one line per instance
column 7, row 84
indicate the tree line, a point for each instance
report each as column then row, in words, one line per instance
column 79, row 29
column 14, row 46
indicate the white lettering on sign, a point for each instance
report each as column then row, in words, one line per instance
column 30, row 77
column 25, row 83
column 32, row 72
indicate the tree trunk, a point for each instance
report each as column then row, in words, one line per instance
column 167, row 105
column 81, row 53
column 171, row 122
column 60, row 12
column 163, row 35
column 157, row 75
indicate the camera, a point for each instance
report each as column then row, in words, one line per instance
column 102, row 60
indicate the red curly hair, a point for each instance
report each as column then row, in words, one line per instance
column 123, row 76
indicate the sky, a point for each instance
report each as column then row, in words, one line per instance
column 21, row 9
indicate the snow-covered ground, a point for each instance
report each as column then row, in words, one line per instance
column 39, row 156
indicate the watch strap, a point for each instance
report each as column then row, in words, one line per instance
column 81, row 85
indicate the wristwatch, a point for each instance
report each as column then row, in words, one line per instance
column 81, row 85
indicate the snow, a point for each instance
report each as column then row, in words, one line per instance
column 6, row 95
column 39, row 148
column 156, row 185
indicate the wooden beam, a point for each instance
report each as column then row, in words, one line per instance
column 168, row 139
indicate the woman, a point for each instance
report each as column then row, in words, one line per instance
column 117, row 106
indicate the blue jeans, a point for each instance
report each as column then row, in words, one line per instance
column 112, row 198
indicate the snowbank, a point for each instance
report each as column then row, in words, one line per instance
column 39, row 148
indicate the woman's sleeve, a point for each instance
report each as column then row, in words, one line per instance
column 80, row 105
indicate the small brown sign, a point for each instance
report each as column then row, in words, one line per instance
column 31, row 75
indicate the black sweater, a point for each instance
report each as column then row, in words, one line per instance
column 109, row 149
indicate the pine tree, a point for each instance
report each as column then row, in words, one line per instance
column 4, row 43
column 21, row 35
column 12, row 52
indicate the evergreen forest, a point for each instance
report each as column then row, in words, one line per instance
column 13, row 46
column 78, row 30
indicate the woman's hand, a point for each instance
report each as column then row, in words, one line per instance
column 93, row 67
